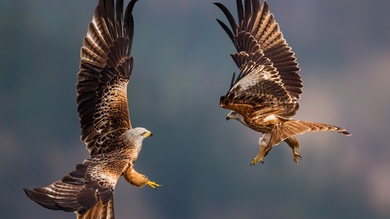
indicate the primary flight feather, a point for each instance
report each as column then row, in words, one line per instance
column 105, row 69
column 264, row 95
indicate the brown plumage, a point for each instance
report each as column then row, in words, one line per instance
column 264, row 95
column 105, row 70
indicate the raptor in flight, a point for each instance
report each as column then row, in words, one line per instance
column 105, row 69
column 264, row 95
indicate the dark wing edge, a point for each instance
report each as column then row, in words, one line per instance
column 105, row 69
column 260, row 48
column 88, row 190
column 75, row 192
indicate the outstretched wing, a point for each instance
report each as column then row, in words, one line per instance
column 88, row 190
column 268, row 68
column 105, row 70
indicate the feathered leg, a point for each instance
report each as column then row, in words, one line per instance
column 286, row 131
column 137, row 179
column 294, row 145
column 264, row 149
column 295, row 127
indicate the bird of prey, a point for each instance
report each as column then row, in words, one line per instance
column 264, row 95
column 105, row 69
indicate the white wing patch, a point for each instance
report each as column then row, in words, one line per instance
column 271, row 117
column 253, row 78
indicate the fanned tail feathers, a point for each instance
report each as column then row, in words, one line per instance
column 99, row 211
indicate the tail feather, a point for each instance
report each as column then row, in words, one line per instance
column 99, row 211
column 287, row 131
column 297, row 127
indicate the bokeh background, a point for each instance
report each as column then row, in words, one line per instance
column 182, row 67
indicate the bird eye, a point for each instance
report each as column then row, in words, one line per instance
column 146, row 134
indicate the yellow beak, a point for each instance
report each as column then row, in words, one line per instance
column 148, row 134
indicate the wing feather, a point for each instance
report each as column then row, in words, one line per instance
column 86, row 190
column 268, row 68
column 105, row 69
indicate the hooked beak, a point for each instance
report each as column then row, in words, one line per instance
column 229, row 116
column 148, row 134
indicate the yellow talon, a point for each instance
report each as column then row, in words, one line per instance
column 297, row 157
column 256, row 160
column 154, row 185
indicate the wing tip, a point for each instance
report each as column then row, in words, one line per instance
column 41, row 199
column 343, row 131
column 222, row 101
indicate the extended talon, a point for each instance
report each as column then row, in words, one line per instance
column 256, row 160
column 152, row 184
column 297, row 157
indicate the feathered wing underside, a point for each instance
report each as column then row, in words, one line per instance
column 88, row 190
column 266, row 91
column 105, row 70
column 268, row 68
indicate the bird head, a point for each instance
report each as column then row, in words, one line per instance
column 234, row 115
column 139, row 132
column 136, row 135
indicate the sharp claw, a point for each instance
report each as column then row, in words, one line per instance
column 154, row 185
column 297, row 157
column 256, row 160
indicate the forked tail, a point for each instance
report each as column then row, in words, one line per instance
column 297, row 127
column 287, row 131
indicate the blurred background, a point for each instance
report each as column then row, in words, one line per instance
column 182, row 67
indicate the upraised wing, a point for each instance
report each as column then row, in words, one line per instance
column 268, row 68
column 105, row 70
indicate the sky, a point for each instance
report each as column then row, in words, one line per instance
column 182, row 65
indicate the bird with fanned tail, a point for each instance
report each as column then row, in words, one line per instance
column 264, row 95
column 105, row 69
